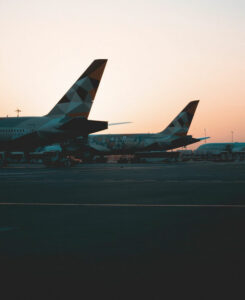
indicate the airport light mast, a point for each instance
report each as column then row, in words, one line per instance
column 18, row 112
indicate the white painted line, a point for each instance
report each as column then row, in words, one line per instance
column 120, row 204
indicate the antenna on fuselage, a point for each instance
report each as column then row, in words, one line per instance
column 18, row 112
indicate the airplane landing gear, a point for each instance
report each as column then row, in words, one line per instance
column 67, row 163
column 87, row 157
column 57, row 160
column 3, row 159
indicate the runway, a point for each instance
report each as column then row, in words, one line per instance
column 183, row 183
column 136, row 225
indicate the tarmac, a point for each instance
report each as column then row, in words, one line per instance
column 132, row 230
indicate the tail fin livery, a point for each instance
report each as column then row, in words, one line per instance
column 180, row 125
column 78, row 101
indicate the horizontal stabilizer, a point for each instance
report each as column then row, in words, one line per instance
column 203, row 138
column 83, row 126
column 121, row 123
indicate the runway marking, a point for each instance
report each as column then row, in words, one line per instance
column 26, row 173
column 67, row 181
column 127, row 180
column 120, row 205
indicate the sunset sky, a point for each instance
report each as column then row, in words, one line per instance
column 161, row 55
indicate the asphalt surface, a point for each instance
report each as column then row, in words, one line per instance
column 123, row 231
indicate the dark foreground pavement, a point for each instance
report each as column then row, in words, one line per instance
column 123, row 231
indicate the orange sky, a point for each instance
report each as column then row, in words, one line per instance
column 161, row 55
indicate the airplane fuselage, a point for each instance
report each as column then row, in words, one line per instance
column 28, row 133
column 131, row 143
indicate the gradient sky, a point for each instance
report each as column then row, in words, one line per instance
column 161, row 55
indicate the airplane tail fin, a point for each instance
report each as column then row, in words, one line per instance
column 78, row 100
column 181, row 124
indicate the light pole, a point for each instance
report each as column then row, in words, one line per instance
column 205, row 135
column 18, row 112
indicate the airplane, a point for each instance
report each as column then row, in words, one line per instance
column 67, row 120
column 172, row 137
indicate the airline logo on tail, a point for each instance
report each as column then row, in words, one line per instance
column 181, row 124
column 77, row 102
